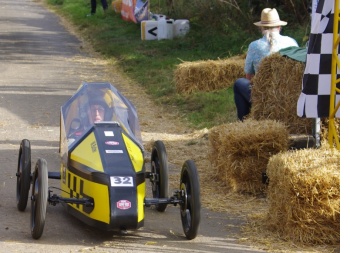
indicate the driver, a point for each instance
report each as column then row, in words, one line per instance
column 97, row 110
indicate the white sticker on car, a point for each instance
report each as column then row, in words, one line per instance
column 120, row 181
column 109, row 133
column 114, row 151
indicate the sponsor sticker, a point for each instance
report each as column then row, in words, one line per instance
column 112, row 143
column 64, row 174
column 114, row 151
column 109, row 133
column 123, row 204
column 93, row 146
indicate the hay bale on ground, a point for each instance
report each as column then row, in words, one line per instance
column 275, row 92
column 304, row 195
column 239, row 152
column 208, row 75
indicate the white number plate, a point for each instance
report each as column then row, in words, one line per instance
column 117, row 181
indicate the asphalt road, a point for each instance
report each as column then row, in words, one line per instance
column 41, row 65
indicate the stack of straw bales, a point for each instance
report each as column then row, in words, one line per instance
column 275, row 92
column 304, row 195
column 239, row 152
column 208, row 75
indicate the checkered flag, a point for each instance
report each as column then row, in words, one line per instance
column 314, row 99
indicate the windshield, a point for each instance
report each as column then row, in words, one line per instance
column 98, row 102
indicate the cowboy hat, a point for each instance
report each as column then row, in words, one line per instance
column 270, row 18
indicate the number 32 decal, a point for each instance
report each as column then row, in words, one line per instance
column 121, row 181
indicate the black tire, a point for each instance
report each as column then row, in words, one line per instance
column 159, row 163
column 23, row 175
column 190, row 206
column 39, row 199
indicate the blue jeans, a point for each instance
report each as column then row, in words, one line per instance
column 242, row 95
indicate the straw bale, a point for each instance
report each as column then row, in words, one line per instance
column 275, row 92
column 239, row 152
column 208, row 75
column 304, row 195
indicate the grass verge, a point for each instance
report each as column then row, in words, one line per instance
column 151, row 63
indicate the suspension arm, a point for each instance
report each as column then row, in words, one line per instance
column 174, row 200
column 55, row 199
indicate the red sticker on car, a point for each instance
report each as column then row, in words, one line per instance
column 123, row 204
column 112, row 143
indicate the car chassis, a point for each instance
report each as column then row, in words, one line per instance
column 126, row 210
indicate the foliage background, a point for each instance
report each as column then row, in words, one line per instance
column 218, row 29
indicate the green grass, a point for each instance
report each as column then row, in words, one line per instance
column 151, row 63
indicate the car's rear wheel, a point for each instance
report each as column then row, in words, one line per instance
column 39, row 199
column 190, row 206
column 23, row 175
column 159, row 163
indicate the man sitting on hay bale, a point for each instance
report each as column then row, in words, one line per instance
column 271, row 42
